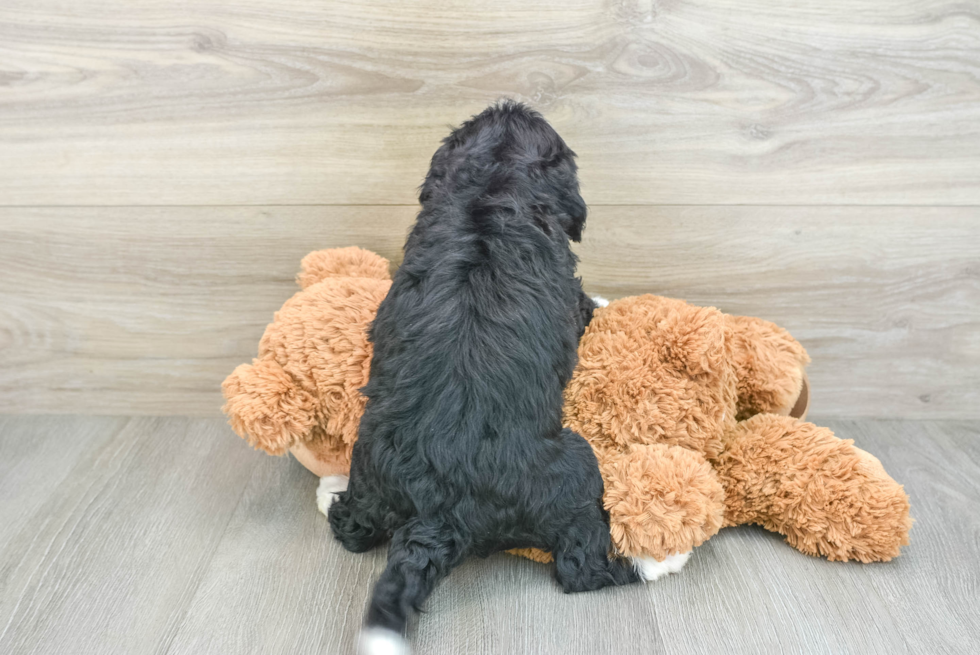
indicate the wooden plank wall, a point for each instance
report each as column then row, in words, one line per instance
column 164, row 165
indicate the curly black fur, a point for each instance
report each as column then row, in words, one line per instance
column 461, row 449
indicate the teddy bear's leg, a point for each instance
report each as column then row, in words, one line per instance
column 328, row 490
column 826, row 496
column 663, row 501
column 769, row 367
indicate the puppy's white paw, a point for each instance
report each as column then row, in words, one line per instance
column 327, row 491
column 600, row 301
column 650, row 569
column 378, row 641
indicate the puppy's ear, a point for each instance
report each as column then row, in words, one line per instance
column 438, row 167
column 432, row 181
column 560, row 191
column 572, row 215
column 566, row 214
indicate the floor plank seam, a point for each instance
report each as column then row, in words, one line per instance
column 47, row 561
column 206, row 564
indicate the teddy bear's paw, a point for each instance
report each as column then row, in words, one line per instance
column 379, row 641
column 650, row 569
column 326, row 492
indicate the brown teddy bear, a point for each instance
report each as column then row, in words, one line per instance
column 694, row 416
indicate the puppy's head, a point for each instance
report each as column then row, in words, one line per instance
column 510, row 150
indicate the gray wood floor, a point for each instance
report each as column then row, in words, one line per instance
column 167, row 535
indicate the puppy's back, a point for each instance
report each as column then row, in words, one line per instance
column 477, row 337
column 461, row 450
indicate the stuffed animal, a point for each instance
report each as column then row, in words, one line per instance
column 302, row 392
column 695, row 417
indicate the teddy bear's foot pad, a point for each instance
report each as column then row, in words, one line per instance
column 326, row 493
column 378, row 641
column 650, row 569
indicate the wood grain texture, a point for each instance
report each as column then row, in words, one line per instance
column 279, row 583
column 146, row 310
column 169, row 536
column 299, row 102
column 36, row 456
column 113, row 549
column 760, row 595
column 886, row 300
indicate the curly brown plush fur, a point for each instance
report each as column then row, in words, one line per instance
column 685, row 407
column 827, row 497
column 303, row 390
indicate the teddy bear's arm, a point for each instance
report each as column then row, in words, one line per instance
column 662, row 500
column 265, row 405
column 302, row 392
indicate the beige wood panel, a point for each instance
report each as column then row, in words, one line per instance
column 886, row 299
column 145, row 310
column 113, row 102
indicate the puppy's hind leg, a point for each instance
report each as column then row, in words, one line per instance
column 422, row 552
column 582, row 561
column 327, row 490
column 586, row 306
column 356, row 529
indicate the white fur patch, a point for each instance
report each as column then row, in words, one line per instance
column 327, row 491
column 378, row 641
column 650, row 569
column 599, row 300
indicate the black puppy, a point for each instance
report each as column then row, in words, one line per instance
column 461, row 449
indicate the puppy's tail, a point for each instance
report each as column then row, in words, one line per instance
column 380, row 641
column 421, row 553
